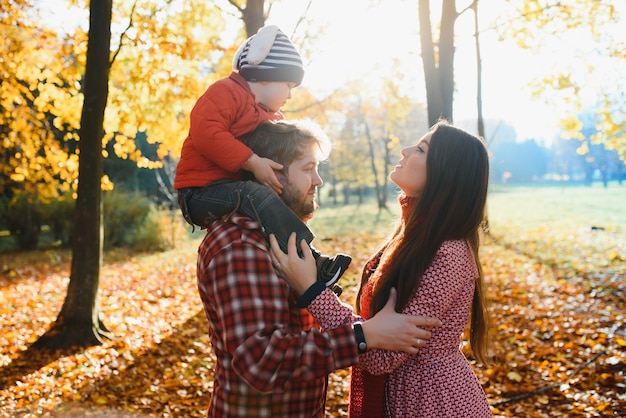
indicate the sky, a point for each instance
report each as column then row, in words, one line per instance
column 369, row 44
column 361, row 43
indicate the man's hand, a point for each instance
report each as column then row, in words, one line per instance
column 300, row 273
column 392, row 331
column 263, row 170
column 387, row 330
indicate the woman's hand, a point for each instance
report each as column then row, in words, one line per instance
column 300, row 273
column 392, row 331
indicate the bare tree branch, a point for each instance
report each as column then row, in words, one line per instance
column 130, row 25
column 163, row 187
column 302, row 18
column 123, row 34
column 234, row 3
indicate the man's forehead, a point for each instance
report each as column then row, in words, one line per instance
column 309, row 154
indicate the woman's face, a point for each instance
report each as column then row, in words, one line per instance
column 410, row 173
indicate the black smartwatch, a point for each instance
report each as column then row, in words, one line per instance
column 361, row 345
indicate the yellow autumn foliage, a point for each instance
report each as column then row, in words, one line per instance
column 595, row 27
column 163, row 55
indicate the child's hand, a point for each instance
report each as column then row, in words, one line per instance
column 263, row 170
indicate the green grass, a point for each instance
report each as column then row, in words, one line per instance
column 552, row 225
column 533, row 208
column 516, row 214
column 355, row 218
column 579, row 231
column 509, row 209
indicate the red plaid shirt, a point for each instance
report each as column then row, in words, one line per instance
column 272, row 358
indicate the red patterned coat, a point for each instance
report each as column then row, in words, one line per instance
column 438, row 381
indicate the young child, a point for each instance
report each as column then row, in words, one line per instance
column 208, row 176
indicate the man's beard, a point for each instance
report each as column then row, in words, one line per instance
column 299, row 206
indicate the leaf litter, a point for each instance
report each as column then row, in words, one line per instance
column 558, row 332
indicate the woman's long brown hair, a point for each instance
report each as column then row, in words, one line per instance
column 451, row 207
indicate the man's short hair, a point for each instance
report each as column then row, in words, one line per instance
column 285, row 141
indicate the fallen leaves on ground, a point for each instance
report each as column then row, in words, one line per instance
column 558, row 335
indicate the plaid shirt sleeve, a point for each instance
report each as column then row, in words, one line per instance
column 271, row 341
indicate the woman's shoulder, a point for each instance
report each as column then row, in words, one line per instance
column 455, row 247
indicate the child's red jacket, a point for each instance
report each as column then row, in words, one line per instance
column 212, row 150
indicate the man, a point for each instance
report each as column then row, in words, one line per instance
column 272, row 357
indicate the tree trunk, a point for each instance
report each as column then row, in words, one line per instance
column 434, row 98
column 387, row 166
column 446, row 56
column 377, row 187
column 479, row 74
column 253, row 16
column 479, row 95
column 438, row 66
column 79, row 321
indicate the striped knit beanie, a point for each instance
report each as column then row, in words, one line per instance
column 269, row 56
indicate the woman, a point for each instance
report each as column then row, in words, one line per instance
column 432, row 261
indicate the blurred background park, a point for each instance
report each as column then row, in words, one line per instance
column 541, row 81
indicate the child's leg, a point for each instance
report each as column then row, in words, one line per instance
column 203, row 205
column 260, row 203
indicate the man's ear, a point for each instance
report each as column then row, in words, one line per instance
column 281, row 175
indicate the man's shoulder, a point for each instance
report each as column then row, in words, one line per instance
column 232, row 229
